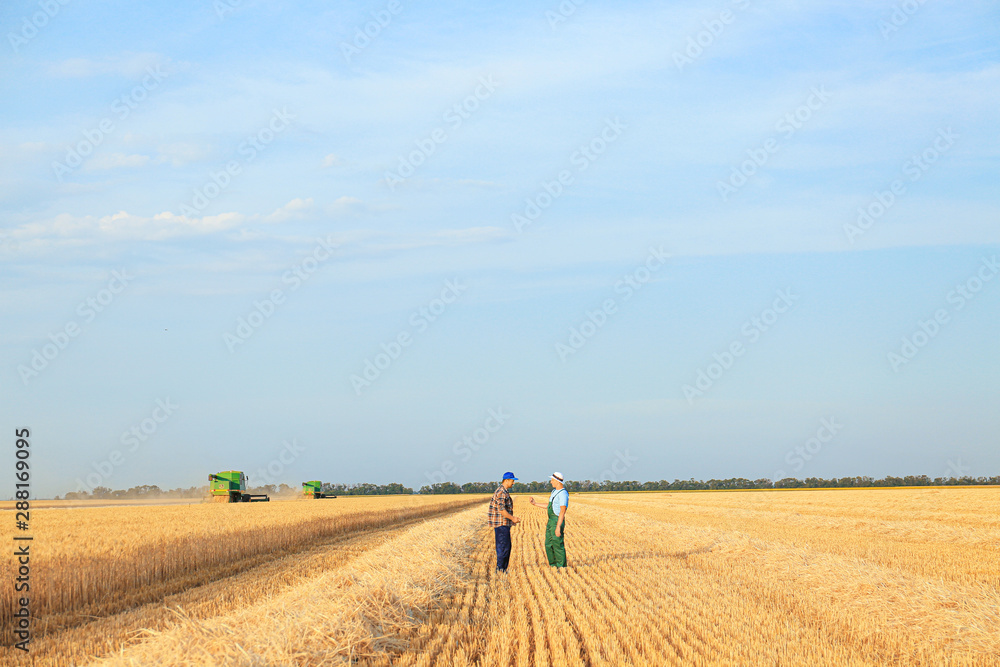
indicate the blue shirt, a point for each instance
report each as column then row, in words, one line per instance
column 559, row 498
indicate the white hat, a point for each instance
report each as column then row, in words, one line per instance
column 558, row 476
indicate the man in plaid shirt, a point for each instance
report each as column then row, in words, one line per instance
column 501, row 517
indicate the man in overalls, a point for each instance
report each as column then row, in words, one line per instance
column 555, row 529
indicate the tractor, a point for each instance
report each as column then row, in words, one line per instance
column 229, row 486
column 314, row 489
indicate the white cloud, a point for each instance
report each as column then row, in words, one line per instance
column 180, row 154
column 130, row 65
column 469, row 182
column 116, row 160
column 331, row 160
column 471, row 235
column 296, row 208
column 343, row 204
column 447, row 238
column 34, row 147
column 67, row 229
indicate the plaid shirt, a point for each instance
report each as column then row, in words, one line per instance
column 501, row 500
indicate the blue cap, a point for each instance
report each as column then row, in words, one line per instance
column 509, row 475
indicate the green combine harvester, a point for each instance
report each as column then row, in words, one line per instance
column 314, row 489
column 229, row 486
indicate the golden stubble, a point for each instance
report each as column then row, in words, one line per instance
column 838, row 577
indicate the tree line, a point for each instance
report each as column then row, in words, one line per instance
column 367, row 489
column 394, row 488
column 150, row 491
column 716, row 484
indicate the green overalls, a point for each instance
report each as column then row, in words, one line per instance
column 555, row 549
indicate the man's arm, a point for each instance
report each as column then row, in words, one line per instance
column 559, row 523
column 507, row 515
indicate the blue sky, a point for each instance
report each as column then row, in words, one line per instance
column 509, row 169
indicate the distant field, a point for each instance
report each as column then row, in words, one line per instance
column 64, row 504
column 812, row 577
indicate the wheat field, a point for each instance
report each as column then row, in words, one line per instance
column 102, row 574
column 804, row 577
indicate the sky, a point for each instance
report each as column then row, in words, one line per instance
column 391, row 241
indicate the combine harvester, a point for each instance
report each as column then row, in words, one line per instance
column 314, row 489
column 229, row 486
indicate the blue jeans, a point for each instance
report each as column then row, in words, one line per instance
column 502, row 535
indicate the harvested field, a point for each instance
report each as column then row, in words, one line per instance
column 839, row 577
column 792, row 578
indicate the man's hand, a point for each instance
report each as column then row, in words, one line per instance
column 531, row 499
column 558, row 531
